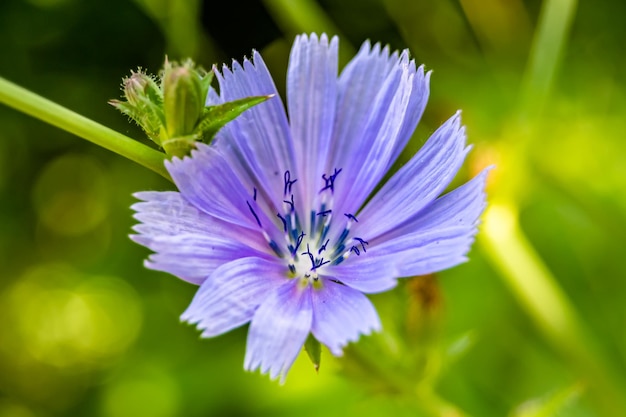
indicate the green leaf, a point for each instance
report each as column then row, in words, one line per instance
column 215, row 117
column 314, row 350
column 145, row 114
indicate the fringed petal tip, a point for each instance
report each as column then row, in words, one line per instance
column 231, row 295
column 143, row 196
column 200, row 149
column 314, row 38
column 252, row 63
column 338, row 349
column 278, row 331
column 342, row 315
column 139, row 238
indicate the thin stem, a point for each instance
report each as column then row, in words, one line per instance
column 508, row 248
column 43, row 109
column 435, row 405
column 549, row 42
column 539, row 294
column 422, row 394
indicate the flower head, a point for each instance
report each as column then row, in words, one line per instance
column 273, row 219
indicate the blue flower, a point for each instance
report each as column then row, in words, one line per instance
column 273, row 220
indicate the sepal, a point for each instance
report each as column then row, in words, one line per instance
column 171, row 108
column 314, row 351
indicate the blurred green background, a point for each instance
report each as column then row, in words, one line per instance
column 85, row 330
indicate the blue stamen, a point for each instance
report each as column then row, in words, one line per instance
column 313, row 223
column 254, row 194
column 324, row 213
column 275, row 248
column 325, row 231
column 343, row 236
column 355, row 250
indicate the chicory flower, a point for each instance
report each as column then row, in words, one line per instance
column 276, row 220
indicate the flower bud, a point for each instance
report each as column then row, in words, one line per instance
column 183, row 99
column 144, row 102
column 171, row 109
column 140, row 87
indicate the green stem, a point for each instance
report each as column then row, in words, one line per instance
column 304, row 16
column 538, row 292
column 43, row 109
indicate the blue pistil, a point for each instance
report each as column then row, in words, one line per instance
column 315, row 263
column 291, row 203
column 254, row 214
column 298, row 242
column 329, row 182
column 288, row 182
column 351, row 216
column 308, row 252
column 319, row 263
column 362, row 242
column 284, row 222
column 324, row 213
column 323, row 247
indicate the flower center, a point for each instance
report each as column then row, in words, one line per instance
column 311, row 248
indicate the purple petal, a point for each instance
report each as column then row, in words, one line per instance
column 381, row 98
column 438, row 238
column 189, row 243
column 461, row 207
column 419, row 182
column 211, row 182
column 368, row 274
column 260, row 137
column 341, row 315
column 311, row 99
column 168, row 213
column 231, row 295
column 278, row 330
column 417, row 104
column 193, row 257
column 428, row 251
